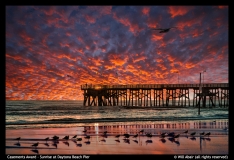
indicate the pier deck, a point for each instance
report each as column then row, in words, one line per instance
column 208, row 94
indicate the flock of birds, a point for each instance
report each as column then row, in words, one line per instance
column 126, row 136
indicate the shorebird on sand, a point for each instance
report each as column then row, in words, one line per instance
column 141, row 131
column 74, row 136
column 149, row 135
column 66, row 137
column 192, row 134
column 177, row 136
column 186, row 131
column 117, row 136
column 55, row 138
column 135, row 136
column 202, row 133
column 207, row 134
column 47, row 139
column 18, row 139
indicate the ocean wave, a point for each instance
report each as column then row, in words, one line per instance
column 73, row 120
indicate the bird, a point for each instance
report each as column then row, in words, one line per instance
column 163, row 30
column 171, row 134
column 141, row 131
column 127, row 136
column 207, row 134
column 47, row 139
column 117, row 136
column 18, row 139
column 79, row 139
column 85, row 131
column 87, row 137
column 163, row 134
column 177, row 136
column 149, row 135
column 202, row 133
column 135, row 136
column 186, row 131
column 66, row 137
column 55, row 138
column 74, row 136
column 192, row 134
column 226, row 129
column 35, row 144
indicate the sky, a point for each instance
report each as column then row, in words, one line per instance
column 52, row 50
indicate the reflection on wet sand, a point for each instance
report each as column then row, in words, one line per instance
column 149, row 135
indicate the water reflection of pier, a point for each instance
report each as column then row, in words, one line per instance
column 154, row 128
column 212, row 94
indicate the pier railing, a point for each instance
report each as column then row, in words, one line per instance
column 153, row 86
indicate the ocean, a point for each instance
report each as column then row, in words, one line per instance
column 63, row 114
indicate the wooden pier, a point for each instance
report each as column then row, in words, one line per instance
column 157, row 95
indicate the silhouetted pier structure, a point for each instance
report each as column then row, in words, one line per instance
column 217, row 94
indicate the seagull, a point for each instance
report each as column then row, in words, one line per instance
column 79, row 139
column 226, row 129
column 117, row 136
column 87, row 137
column 202, row 133
column 177, row 136
column 18, row 139
column 66, row 137
column 207, row 134
column 135, row 136
column 141, row 131
column 192, row 134
column 163, row 30
column 149, row 135
column 85, row 131
column 47, row 139
column 186, row 131
column 74, row 136
column 36, row 144
column 127, row 136
column 55, row 138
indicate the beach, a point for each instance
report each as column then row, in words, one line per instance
column 109, row 144
column 33, row 121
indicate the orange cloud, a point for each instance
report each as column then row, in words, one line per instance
column 179, row 10
column 156, row 37
column 90, row 19
column 117, row 60
column 146, row 10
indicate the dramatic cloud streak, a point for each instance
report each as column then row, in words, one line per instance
column 52, row 50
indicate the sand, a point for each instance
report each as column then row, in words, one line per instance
column 216, row 143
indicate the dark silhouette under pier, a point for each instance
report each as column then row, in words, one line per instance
column 153, row 95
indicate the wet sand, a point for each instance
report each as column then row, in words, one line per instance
column 216, row 143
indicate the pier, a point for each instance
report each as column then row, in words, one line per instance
column 157, row 95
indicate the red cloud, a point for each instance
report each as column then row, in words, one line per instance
column 179, row 10
column 146, row 10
